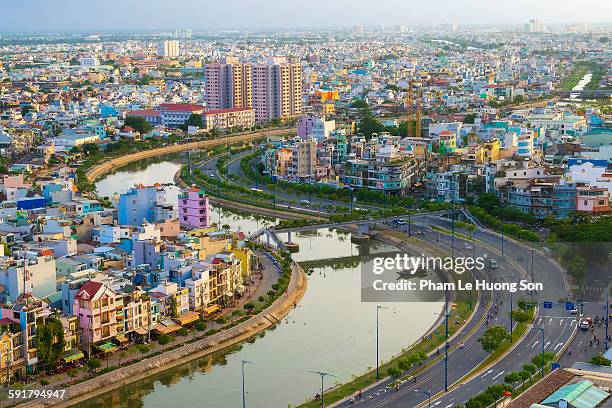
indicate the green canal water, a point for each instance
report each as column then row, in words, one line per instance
column 330, row 330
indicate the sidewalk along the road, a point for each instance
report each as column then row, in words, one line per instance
column 200, row 348
column 386, row 237
column 270, row 212
column 260, row 284
column 111, row 165
column 479, row 370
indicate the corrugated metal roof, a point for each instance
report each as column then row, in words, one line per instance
column 582, row 394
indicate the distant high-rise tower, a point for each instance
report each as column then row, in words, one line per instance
column 401, row 28
column 182, row 34
column 535, row 26
column 168, row 49
column 452, row 27
column 358, row 29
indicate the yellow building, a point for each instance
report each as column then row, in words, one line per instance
column 489, row 151
column 10, row 355
column 328, row 95
column 245, row 255
column 328, row 109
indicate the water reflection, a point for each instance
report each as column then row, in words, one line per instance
column 331, row 329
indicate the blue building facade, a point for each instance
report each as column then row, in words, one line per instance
column 138, row 204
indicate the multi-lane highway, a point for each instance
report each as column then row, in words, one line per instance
column 518, row 262
column 558, row 324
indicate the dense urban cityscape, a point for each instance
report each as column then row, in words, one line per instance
column 190, row 216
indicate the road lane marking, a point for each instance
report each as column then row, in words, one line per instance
column 558, row 345
column 535, row 344
column 498, row 375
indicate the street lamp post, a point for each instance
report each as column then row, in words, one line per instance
column 542, row 330
column 501, row 205
column 409, row 224
column 532, row 275
column 243, row 383
column 323, row 374
column 446, row 316
column 511, row 307
column 428, row 393
column 377, row 359
column 607, row 314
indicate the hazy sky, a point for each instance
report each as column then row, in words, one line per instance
column 91, row 15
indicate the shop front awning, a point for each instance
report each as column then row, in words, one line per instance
column 121, row 338
column 142, row 331
column 166, row 326
column 212, row 309
column 107, row 347
column 72, row 355
column 186, row 318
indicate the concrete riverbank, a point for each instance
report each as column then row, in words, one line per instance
column 116, row 163
column 167, row 360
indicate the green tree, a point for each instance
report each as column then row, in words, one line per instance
column 50, row 341
column 138, row 123
column 163, row 340
column 90, row 148
column 600, row 360
column 93, row 364
column 493, row 338
column 530, row 367
column 142, row 349
column 521, row 316
column 537, row 359
column 512, row 377
column 394, row 372
column 194, row 120
column 469, row 118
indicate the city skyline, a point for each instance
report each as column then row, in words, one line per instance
column 38, row 15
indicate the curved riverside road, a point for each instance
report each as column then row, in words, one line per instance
column 118, row 162
column 559, row 326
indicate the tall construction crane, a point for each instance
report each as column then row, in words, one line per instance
column 413, row 108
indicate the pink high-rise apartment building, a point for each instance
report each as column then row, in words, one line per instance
column 193, row 208
column 228, row 84
column 273, row 89
column 277, row 89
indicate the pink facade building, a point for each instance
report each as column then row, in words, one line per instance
column 593, row 200
column 193, row 208
column 96, row 306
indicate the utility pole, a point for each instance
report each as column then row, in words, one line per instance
column 323, row 374
column 543, row 339
column 377, row 358
column 446, row 316
column 532, row 275
column 409, row 224
column 607, row 314
column 243, row 383
column 428, row 393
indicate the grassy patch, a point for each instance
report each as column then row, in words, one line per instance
column 449, row 232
